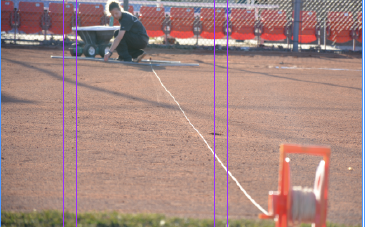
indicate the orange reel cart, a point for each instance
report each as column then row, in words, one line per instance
column 280, row 202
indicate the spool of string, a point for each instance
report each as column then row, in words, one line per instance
column 303, row 204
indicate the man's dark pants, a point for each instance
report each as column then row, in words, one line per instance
column 131, row 45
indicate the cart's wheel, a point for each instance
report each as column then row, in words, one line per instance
column 103, row 49
column 89, row 50
column 72, row 52
column 79, row 49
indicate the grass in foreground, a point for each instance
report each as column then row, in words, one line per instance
column 114, row 219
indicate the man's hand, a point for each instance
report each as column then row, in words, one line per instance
column 106, row 57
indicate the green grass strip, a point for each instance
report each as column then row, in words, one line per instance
column 115, row 219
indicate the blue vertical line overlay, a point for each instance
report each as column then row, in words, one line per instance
column 63, row 114
column 76, row 112
column 214, row 111
column 227, row 106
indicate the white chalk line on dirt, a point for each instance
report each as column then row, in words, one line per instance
column 230, row 174
column 357, row 70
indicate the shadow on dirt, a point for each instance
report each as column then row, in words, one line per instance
column 54, row 75
column 10, row 99
column 281, row 77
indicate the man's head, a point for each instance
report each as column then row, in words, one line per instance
column 115, row 10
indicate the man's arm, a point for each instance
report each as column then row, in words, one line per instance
column 114, row 45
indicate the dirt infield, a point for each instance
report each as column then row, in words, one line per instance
column 136, row 151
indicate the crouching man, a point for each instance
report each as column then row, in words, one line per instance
column 130, row 39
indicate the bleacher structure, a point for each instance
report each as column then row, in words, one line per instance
column 321, row 22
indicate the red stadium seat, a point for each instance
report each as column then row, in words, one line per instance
column 359, row 25
column 90, row 14
column 182, row 21
column 7, row 10
column 55, row 12
column 130, row 9
column 307, row 26
column 274, row 23
column 152, row 19
column 207, row 17
column 339, row 26
column 30, row 16
column 243, row 22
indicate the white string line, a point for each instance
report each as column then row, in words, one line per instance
column 230, row 174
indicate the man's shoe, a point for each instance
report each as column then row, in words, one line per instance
column 139, row 58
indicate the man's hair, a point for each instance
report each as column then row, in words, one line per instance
column 113, row 5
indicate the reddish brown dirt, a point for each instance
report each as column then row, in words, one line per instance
column 136, row 151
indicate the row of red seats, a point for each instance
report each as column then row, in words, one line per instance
column 181, row 21
column 272, row 26
column 30, row 16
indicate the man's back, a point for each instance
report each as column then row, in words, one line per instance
column 130, row 23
